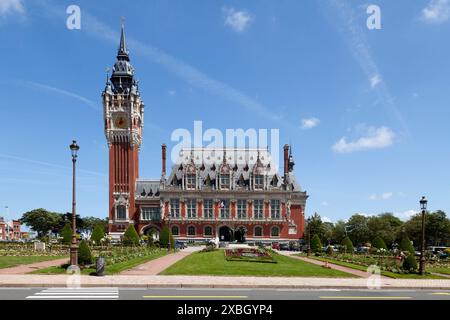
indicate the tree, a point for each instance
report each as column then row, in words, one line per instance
column 358, row 230
column 164, row 238
column 130, row 237
column 406, row 245
column 314, row 226
column 338, row 232
column 379, row 243
column 386, row 226
column 84, row 254
column 316, row 244
column 347, row 245
column 65, row 218
column 97, row 234
column 41, row 221
column 437, row 228
column 89, row 224
column 66, row 233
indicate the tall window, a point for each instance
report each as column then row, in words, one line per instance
column 225, row 209
column 275, row 232
column 225, row 181
column 208, row 211
column 242, row 209
column 121, row 212
column 258, row 209
column 259, row 181
column 150, row 213
column 175, row 231
column 191, row 207
column 190, row 181
column 208, row 231
column 258, row 232
column 191, row 231
column 275, row 209
column 175, row 208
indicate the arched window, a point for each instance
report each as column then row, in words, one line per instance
column 275, row 232
column 258, row 232
column 191, row 231
column 208, row 231
column 175, row 230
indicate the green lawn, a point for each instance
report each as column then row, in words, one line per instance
column 109, row 269
column 384, row 273
column 441, row 270
column 12, row 261
column 214, row 263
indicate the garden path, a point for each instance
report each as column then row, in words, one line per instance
column 155, row 266
column 359, row 273
column 27, row 268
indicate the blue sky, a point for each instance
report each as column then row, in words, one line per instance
column 366, row 111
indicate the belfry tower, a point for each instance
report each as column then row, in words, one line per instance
column 124, row 118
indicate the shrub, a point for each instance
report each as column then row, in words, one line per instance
column 410, row 263
column 84, row 254
column 406, row 245
column 209, row 247
column 66, row 233
column 316, row 244
column 97, row 234
column 347, row 245
column 164, row 238
column 379, row 243
column 330, row 250
column 130, row 237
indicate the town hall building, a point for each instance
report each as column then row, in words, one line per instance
column 223, row 194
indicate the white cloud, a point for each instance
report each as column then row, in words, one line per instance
column 326, row 219
column 11, row 6
column 375, row 81
column 383, row 196
column 237, row 20
column 437, row 11
column 374, row 138
column 310, row 123
column 405, row 215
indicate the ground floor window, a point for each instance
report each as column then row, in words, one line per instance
column 191, row 231
column 175, row 230
column 208, row 231
column 275, row 232
column 258, row 232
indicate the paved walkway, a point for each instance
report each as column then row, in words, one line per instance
column 157, row 281
column 26, row 268
column 157, row 265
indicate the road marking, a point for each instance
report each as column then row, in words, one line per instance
column 441, row 293
column 77, row 293
column 364, row 297
column 195, row 297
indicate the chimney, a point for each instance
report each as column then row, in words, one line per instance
column 286, row 159
column 163, row 156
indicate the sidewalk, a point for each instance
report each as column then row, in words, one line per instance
column 26, row 268
column 156, row 281
column 154, row 267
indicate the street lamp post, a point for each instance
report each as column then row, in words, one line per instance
column 170, row 233
column 423, row 205
column 74, row 245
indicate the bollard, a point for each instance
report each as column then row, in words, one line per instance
column 100, row 266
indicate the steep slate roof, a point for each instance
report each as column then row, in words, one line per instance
column 241, row 162
column 147, row 189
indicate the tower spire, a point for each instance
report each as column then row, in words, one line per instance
column 123, row 52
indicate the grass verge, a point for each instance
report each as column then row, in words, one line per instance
column 12, row 261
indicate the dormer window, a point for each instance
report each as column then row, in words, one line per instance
column 190, row 181
column 225, row 181
column 259, row 182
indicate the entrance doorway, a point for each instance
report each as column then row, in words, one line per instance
column 153, row 233
column 225, row 234
column 240, row 234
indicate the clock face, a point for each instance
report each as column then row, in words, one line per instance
column 121, row 122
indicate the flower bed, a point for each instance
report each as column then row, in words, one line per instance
column 248, row 254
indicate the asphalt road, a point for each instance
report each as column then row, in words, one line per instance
column 216, row 294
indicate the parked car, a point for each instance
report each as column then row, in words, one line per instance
column 284, row 246
column 275, row 246
column 180, row 245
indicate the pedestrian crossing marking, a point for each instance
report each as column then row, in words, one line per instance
column 77, row 294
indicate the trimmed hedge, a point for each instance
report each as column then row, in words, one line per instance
column 130, row 237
